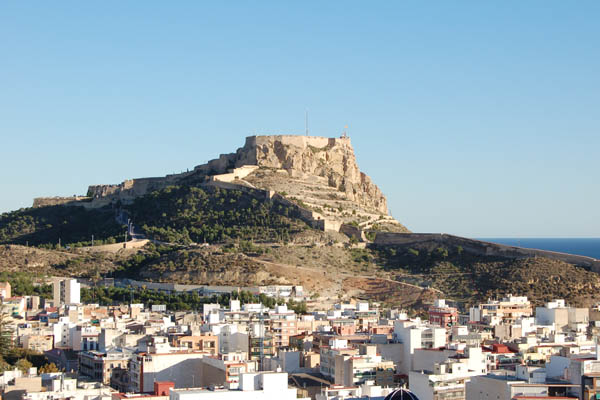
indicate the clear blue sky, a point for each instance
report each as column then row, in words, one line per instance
column 475, row 118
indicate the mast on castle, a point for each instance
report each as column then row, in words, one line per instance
column 306, row 122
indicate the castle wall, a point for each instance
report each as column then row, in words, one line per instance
column 237, row 173
column 353, row 231
column 293, row 140
column 236, row 186
column 132, row 188
column 56, row 201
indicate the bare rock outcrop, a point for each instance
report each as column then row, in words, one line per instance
column 331, row 158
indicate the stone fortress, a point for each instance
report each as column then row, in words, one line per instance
column 318, row 175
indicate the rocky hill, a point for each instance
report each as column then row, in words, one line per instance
column 279, row 210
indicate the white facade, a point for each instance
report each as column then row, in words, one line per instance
column 446, row 381
column 415, row 335
column 85, row 338
column 498, row 387
column 63, row 332
column 66, row 291
column 184, row 369
column 253, row 386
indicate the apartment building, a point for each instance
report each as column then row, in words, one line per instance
column 66, row 291
column 507, row 310
column 252, row 386
column 417, row 335
column 37, row 343
column 99, row 366
column 205, row 343
column 367, row 365
column 283, row 325
column 441, row 314
column 331, row 357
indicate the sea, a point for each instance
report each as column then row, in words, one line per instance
column 581, row 246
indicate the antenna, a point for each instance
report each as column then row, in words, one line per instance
column 344, row 135
column 306, row 122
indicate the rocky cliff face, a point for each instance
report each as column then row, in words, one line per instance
column 331, row 158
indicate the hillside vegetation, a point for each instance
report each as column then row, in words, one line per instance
column 254, row 242
column 472, row 278
column 43, row 262
column 177, row 214
column 186, row 214
column 211, row 265
column 74, row 226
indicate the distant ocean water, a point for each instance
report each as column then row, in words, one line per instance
column 584, row 247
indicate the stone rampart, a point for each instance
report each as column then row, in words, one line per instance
column 482, row 248
column 312, row 218
column 244, row 187
column 296, row 140
column 129, row 189
column 58, row 201
column 326, row 224
column 353, row 231
column 235, row 174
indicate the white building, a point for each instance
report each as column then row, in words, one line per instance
column 288, row 361
column 504, row 385
column 84, row 338
column 252, row 386
column 417, row 335
column 66, row 291
column 231, row 339
column 63, row 332
column 446, row 379
column 163, row 363
column 506, row 310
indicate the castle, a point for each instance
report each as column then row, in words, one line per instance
column 332, row 158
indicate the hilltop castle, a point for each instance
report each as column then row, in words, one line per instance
column 299, row 157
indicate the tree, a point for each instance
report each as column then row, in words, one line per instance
column 4, row 366
column 23, row 364
column 5, row 334
column 47, row 368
